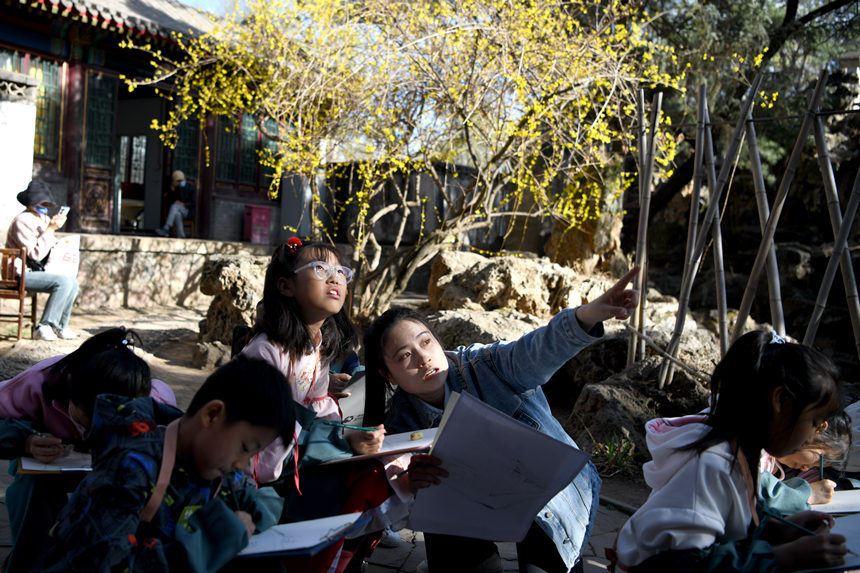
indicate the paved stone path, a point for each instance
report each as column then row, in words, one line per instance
column 169, row 336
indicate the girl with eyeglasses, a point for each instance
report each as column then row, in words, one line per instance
column 303, row 329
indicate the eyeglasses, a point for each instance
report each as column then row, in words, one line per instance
column 323, row 271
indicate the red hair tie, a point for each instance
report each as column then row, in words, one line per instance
column 293, row 244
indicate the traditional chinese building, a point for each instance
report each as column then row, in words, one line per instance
column 92, row 139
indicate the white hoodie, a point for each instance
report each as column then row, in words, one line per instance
column 696, row 499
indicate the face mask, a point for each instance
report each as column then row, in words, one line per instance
column 41, row 210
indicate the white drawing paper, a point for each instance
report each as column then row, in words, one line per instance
column 71, row 462
column 302, row 537
column 844, row 501
column 501, row 473
column 395, row 445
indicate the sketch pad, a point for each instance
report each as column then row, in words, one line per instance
column 844, row 501
column 395, row 445
column 73, row 462
column 849, row 526
column 302, row 537
column 501, row 473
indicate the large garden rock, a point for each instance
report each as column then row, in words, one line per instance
column 535, row 286
column 236, row 283
column 464, row 327
column 619, row 406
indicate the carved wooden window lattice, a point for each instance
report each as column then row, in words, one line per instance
column 101, row 108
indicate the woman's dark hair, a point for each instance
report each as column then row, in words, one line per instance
column 282, row 320
column 253, row 391
column 377, row 388
column 741, row 386
column 105, row 363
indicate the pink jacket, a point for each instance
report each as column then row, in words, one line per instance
column 21, row 397
column 30, row 231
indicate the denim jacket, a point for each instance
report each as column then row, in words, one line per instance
column 508, row 376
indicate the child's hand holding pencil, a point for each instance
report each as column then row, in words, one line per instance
column 810, row 545
column 44, row 448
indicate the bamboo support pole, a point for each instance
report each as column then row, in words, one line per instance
column 839, row 247
column 776, row 211
column 777, row 317
column 642, row 144
column 701, row 239
column 636, row 349
column 716, row 233
column 848, row 280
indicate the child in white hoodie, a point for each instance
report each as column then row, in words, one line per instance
column 702, row 513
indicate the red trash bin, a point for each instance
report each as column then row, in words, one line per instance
column 257, row 221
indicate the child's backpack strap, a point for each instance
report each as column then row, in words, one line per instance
column 167, row 460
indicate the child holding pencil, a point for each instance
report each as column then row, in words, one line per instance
column 48, row 408
column 791, row 483
column 167, row 492
column 702, row 514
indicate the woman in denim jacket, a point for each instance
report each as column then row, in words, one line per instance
column 404, row 357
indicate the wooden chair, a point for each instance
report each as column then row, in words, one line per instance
column 12, row 287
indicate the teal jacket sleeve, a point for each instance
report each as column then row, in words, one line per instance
column 743, row 556
column 210, row 538
column 12, row 438
column 786, row 497
column 213, row 535
column 239, row 492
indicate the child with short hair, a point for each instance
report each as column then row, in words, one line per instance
column 46, row 409
column 702, row 514
column 173, row 497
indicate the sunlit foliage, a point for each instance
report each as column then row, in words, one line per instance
column 524, row 102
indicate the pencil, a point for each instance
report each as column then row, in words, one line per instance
column 233, row 493
column 784, row 520
column 339, row 425
column 404, row 472
column 24, row 426
column 820, row 467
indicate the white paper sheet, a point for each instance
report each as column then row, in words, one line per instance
column 396, row 445
column 844, row 501
column 71, row 462
column 302, row 537
column 502, row 473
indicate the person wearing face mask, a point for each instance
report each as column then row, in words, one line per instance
column 34, row 230
column 182, row 207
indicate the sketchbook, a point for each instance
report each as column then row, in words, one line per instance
column 302, row 537
column 844, row 501
column 501, row 473
column 849, row 526
column 396, row 445
column 71, row 462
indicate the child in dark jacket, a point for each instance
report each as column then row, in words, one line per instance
column 174, row 497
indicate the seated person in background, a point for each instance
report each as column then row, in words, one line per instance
column 185, row 197
column 34, row 230
column 200, row 512
column 804, row 485
column 51, row 403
